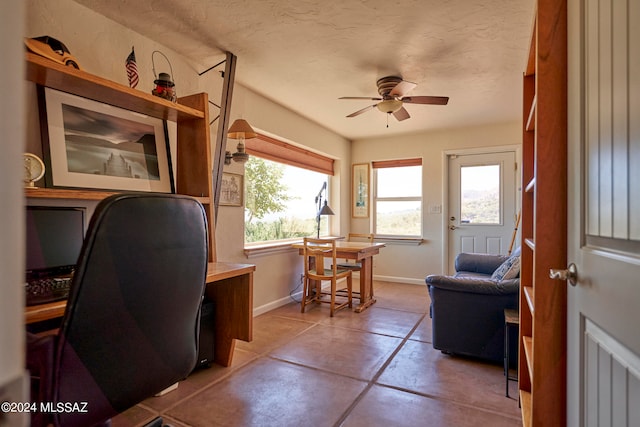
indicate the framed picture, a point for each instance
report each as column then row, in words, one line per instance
column 88, row 144
column 360, row 190
column 231, row 190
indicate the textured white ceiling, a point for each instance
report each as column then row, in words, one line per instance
column 305, row 54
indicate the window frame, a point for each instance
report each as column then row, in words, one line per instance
column 274, row 149
column 377, row 165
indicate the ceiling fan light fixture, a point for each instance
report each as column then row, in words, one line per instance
column 389, row 105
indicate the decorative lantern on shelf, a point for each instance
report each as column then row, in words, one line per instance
column 165, row 87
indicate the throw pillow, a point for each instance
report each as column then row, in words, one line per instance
column 510, row 269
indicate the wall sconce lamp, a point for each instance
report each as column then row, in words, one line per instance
column 239, row 130
column 322, row 209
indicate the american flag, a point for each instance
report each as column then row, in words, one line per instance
column 132, row 69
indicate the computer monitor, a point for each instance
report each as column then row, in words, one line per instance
column 54, row 240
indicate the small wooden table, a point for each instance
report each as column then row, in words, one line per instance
column 511, row 319
column 229, row 286
column 362, row 252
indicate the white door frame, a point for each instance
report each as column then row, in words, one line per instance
column 517, row 148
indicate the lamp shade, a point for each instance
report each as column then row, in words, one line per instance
column 326, row 210
column 240, row 129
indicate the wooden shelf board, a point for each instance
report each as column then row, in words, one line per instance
column 531, row 120
column 528, row 293
column 60, row 193
column 525, row 403
column 528, row 353
column 203, row 200
column 40, row 312
column 531, row 186
column 48, row 73
column 531, row 243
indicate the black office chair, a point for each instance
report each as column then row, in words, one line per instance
column 130, row 329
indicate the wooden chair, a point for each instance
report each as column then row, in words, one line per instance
column 356, row 266
column 315, row 253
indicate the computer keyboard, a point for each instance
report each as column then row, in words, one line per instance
column 42, row 291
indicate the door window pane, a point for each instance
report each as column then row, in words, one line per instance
column 480, row 194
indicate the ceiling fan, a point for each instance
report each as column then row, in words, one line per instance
column 392, row 90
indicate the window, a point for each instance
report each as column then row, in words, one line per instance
column 398, row 198
column 480, row 194
column 281, row 185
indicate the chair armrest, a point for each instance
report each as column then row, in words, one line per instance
column 479, row 263
column 474, row 285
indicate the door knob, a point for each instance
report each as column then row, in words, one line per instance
column 570, row 274
column 452, row 227
column 453, row 218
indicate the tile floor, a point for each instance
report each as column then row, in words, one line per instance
column 376, row 368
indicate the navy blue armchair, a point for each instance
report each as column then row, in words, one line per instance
column 467, row 309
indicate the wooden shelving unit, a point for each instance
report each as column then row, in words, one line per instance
column 194, row 163
column 229, row 286
column 542, row 362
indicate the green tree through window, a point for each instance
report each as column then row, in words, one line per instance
column 279, row 201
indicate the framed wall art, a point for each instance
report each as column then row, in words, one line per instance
column 360, row 190
column 88, row 144
column 232, row 189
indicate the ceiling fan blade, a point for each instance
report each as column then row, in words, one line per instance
column 402, row 88
column 365, row 109
column 401, row 114
column 433, row 100
column 360, row 97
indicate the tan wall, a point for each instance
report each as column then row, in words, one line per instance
column 102, row 46
column 410, row 263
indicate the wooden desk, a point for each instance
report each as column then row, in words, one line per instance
column 229, row 286
column 362, row 252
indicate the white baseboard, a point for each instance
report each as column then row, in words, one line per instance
column 396, row 279
column 275, row 304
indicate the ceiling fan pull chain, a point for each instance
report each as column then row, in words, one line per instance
column 388, row 114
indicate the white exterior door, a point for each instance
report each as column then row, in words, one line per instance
column 482, row 203
column 603, row 314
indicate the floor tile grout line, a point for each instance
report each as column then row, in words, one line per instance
column 373, row 381
column 446, row 399
column 314, row 368
column 312, row 323
column 200, row 390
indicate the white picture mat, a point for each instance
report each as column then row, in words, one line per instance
column 60, row 174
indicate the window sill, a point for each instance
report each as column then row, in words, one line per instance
column 261, row 249
column 253, row 250
column 411, row 241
